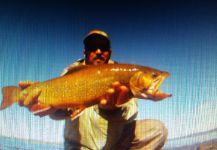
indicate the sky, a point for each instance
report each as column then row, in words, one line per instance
column 38, row 39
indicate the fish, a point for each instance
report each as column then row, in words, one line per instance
column 83, row 86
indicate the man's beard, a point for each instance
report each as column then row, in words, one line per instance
column 100, row 60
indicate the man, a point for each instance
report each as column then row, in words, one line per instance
column 105, row 126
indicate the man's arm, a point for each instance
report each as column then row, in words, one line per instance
column 61, row 114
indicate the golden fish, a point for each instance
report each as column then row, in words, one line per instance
column 82, row 86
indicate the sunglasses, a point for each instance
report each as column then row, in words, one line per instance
column 93, row 48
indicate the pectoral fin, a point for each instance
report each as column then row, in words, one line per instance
column 76, row 113
column 39, row 108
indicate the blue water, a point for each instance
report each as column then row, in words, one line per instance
column 18, row 144
column 7, row 143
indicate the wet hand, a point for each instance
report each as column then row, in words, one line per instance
column 116, row 95
column 26, row 83
column 30, row 100
column 25, row 97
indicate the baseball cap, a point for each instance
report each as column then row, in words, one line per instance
column 97, row 39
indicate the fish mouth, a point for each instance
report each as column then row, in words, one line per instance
column 153, row 91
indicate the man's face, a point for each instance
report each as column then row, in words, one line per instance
column 97, row 56
column 97, row 51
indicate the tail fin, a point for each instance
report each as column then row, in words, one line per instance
column 10, row 96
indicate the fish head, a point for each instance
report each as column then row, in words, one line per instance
column 145, row 84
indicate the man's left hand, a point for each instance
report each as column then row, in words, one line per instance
column 116, row 95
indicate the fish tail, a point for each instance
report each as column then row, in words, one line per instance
column 10, row 96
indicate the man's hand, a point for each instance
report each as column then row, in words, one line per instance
column 116, row 95
column 30, row 100
column 27, row 99
column 26, row 83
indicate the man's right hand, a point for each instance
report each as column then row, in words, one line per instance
column 26, row 83
column 28, row 99
column 31, row 99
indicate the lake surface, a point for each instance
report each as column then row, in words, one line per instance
column 18, row 144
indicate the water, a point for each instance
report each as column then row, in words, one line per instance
column 190, row 142
column 18, row 144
